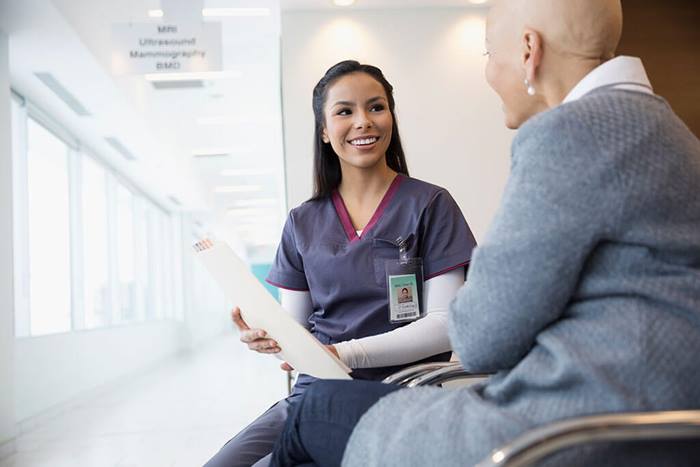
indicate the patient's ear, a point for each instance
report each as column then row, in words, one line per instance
column 531, row 53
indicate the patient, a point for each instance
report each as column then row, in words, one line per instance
column 584, row 297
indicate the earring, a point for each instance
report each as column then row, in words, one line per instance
column 530, row 88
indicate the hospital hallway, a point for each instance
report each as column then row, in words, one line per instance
column 164, row 161
column 177, row 413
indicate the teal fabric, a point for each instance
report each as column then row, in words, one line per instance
column 584, row 296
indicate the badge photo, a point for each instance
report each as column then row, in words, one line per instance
column 403, row 298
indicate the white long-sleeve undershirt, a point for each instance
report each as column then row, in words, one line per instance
column 415, row 341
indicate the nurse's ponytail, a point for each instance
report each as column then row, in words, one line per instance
column 327, row 174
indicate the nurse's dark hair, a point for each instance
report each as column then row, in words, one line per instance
column 327, row 174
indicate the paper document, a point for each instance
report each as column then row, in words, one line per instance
column 260, row 310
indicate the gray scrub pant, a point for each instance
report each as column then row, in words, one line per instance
column 253, row 445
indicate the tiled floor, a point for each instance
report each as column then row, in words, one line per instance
column 178, row 414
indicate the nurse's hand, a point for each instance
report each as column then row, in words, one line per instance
column 287, row 367
column 254, row 338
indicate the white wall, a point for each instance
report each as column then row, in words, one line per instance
column 7, row 416
column 450, row 121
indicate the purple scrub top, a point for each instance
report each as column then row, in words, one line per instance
column 321, row 252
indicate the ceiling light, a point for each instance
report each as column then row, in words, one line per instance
column 194, row 76
column 343, row 2
column 155, row 13
column 168, row 85
column 223, row 151
column 218, row 12
column 478, row 2
column 212, row 152
column 242, row 172
column 237, row 188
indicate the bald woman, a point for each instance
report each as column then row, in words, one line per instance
column 584, row 297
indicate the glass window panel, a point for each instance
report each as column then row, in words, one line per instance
column 142, row 257
column 152, row 240
column 95, row 246
column 165, row 262
column 49, row 232
column 20, row 237
column 177, row 283
column 125, row 255
column 165, row 226
column 158, row 263
column 170, row 266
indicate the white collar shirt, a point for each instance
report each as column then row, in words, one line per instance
column 619, row 73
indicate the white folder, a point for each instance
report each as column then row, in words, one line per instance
column 260, row 310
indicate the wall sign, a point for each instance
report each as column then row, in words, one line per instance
column 140, row 48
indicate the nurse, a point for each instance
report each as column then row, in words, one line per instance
column 346, row 255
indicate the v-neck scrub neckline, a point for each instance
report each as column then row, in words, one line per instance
column 344, row 216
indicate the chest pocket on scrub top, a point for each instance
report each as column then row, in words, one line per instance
column 383, row 250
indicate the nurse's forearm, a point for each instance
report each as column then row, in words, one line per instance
column 407, row 344
column 415, row 341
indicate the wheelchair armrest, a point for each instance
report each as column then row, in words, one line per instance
column 533, row 446
column 406, row 375
column 446, row 374
column 431, row 374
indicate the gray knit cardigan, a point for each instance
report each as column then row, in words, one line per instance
column 584, row 296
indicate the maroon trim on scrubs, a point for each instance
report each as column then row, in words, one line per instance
column 342, row 211
column 280, row 286
column 447, row 270
column 344, row 216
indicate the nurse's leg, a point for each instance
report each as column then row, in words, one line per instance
column 320, row 424
column 255, row 441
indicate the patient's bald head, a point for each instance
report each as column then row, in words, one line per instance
column 582, row 28
column 549, row 43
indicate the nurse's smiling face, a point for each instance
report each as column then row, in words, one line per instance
column 357, row 121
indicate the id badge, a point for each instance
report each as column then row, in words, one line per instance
column 404, row 279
